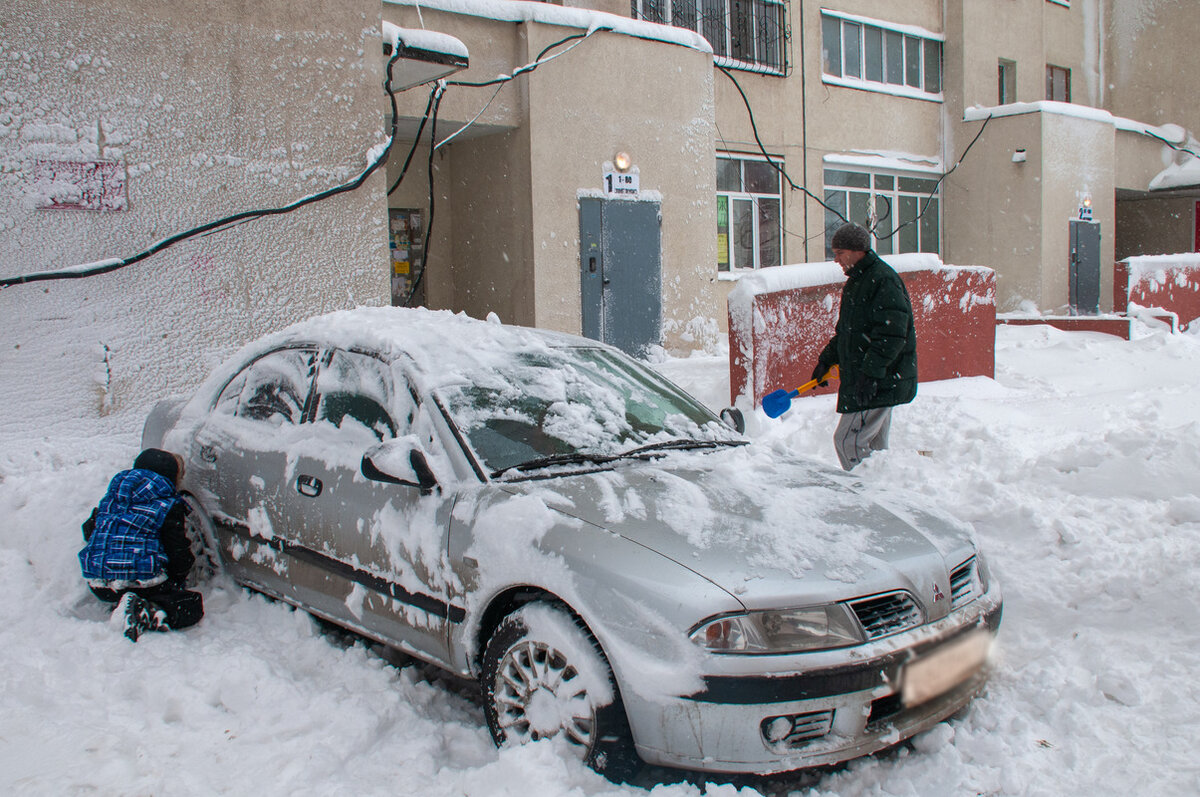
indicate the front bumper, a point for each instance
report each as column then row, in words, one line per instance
column 781, row 713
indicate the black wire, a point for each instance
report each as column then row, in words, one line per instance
column 933, row 193
column 1173, row 145
column 245, row 215
column 754, row 127
column 416, row 140
column 528, row 67
column 437, row 103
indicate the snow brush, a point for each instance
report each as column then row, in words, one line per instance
column 777, row 402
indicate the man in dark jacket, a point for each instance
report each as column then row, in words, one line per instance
column 137, row 553
column 874, row 347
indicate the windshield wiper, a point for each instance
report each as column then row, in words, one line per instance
column 677, row 445
column 555, row 459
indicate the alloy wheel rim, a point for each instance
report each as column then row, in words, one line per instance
column 539, row 694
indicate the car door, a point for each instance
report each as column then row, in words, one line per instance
column 373, row 552
column 237, row 463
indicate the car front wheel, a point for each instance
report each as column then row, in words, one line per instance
column 545, row 675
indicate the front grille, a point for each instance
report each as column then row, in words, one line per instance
column 793, row 730
column 962, row 584
column 887, row 614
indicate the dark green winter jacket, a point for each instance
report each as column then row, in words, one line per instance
column 875, row 338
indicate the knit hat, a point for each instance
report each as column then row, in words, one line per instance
column 852, row 238
column 161, row 462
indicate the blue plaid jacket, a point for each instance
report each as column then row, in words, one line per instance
column 125, row 550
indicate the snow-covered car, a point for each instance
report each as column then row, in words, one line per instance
column 613, row 563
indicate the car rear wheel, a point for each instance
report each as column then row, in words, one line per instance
column 203, row 538
column 544, row 675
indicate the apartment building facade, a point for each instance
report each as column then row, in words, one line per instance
column 1023, row 135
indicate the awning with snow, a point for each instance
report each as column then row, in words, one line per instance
column 424, row 55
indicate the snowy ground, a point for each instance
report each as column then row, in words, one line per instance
column 1079, row 466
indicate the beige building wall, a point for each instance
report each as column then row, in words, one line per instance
column 991, row 200
column 1149, row 58
column 208, row 108
column 513, row 179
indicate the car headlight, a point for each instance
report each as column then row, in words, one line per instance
column 780, row 631
column 982, row 573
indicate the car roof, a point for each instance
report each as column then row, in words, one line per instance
column 438, row 345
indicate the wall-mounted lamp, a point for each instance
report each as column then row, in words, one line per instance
column 1085, row 207
column 622, row 161
column 1019, row 155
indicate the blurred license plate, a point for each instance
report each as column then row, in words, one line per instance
column 945, row 668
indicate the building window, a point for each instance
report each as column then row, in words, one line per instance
column 903, row 212
column 743, row 33
column 1058, row 83
column 749, row 213
column 1007, row 82
column 869, row 54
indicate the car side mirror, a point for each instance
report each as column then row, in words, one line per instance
column 399, row 462
column 734, row 419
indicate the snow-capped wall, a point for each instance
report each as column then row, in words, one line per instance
column 1166, row 282
column 780, row 319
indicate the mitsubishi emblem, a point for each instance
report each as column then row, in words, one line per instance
column 937, row 593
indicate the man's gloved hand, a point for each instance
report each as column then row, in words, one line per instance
column 865, row 390
column 819, row 372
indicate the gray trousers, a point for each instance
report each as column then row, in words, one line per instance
column 860, row 433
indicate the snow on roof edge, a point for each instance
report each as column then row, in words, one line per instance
column 584, row 19
column 1171, row 132
column 427, row 40
column 898, row 161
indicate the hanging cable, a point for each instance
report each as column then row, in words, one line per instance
column 932, row 193
column 434, row 144
column 113, row 264
column 437, row 102
column 416, row 140
column 754, row 127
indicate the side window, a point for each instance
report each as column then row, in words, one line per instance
column 274, row 388
column 356, row 391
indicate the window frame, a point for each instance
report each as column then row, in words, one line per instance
column 729, row 266
column 232, row 405
column 716, row 21
column 1006, row 81
column 1053, row 70
column 896, row 196
column 907, row 56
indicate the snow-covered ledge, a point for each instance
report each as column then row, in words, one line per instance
column 580, row 18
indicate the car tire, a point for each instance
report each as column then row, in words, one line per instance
column 544, row 674
column 203, row 538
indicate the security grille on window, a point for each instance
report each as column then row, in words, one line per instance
column 870, row 54
column 743, row 33
column 749, row 214
column 902, row 212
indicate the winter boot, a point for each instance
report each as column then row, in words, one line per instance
column 140, row 616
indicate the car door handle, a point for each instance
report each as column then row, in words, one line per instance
column 309, row 486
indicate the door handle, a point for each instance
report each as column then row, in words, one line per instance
column 308, row 486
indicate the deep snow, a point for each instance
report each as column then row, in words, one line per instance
column 1078, row 466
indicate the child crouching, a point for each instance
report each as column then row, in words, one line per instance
column 137, row 554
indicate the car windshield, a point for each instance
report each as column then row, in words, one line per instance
column 568, row 404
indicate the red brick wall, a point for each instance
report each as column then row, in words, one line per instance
column 776, row 331
column 1169, row 282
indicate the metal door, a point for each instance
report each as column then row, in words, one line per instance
column 620, row 260
column 1085, row 268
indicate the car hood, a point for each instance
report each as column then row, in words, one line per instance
column 771, row 530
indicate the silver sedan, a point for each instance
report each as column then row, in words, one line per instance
column 613, row 563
